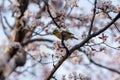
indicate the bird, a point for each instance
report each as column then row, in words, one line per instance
column 63, row 34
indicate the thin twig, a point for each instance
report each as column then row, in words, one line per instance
column 94, row 13
column 95, row 34
column 8, row 23
column 111, row 46
column 105, row 67
column 70, row 11
column 62, row 42
column 53, row 60
column 114, row 23
column 100, row 65
column 10, row 1
column 4, row 27
column 33, row 40
column 76, row 47
column 48, row 10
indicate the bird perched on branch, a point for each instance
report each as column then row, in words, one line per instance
column 64, row 34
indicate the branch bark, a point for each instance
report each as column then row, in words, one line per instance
column 76, row 47
column 9, row 59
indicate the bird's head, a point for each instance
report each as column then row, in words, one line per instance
column 55, row 32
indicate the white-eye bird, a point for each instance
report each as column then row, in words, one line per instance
column 65, row 34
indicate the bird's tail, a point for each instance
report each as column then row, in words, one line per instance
column 75, row 38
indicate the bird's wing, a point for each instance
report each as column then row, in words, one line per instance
column 67, row 32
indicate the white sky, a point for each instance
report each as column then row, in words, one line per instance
column 87, row 8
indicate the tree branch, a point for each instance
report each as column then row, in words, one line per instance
column 63, row 58
column 114, row 23
column 33, row 40
column 4, row 28
column 59, row 63
column 76, row 47
column 48, row 10
column 94, row 13
column 23, row 6
column 95, row 34
column 12, row 60
column 8, row 23
column 100, row 65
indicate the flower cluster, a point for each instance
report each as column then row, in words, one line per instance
column 105, row 5
column 59, row 49
column 75, row 76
